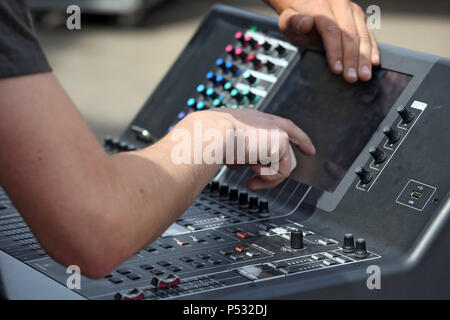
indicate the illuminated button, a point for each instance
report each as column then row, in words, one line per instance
column 250, row 95
column 244, row 235
column 220, row 63
column 217, row 102
column 200, row 105
column 228, row 86
column 210, row 76
column 241, row 249
column 230, row 50
column 181, row 115
column 220, row 80
column 201, row 89
column 235, row 106
column 237, row 95
column 210, row 93
column 252, row 42
column 191, row 102
column 239, row 36
column 235, row 70
column 239, row 53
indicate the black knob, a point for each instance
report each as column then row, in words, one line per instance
column 297, row 239
column 123, row 146
column 233, row 195
column 280, row 49
column 131, row 147
column 266, row 46
column 250, row 95
column 214, row 186
column 107, row 141
column 392, row 135
column 349, row 245
column 263, row 206
column 250, row 78
column 115, row 143
column 364, row 175
column 378, row 155
column 256, row 62
column 361, row 251
column 406, row 114
column 243, row 55
column 269, row 65
column 253, row 204
column 243, row 199
column 223, row 193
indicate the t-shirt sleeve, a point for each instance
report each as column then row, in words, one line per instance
column 20, row 52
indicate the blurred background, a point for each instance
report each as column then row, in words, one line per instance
column 111, row 66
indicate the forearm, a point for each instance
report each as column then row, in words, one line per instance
column 85, row 207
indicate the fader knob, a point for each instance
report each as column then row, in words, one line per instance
column 280, row 49
column 250, row 78
column 297, row 239
column 243, row 199
column 234, row 195
column 364, row 175
column 239, row 36
column 269, row 65
column 349, row 245
column 223, row 193
column 253, row 204
column 107, row 141
column 392, row 135
column 263, row 206
column 361, row 251
column 266, row 46
column 406, row 114
column 378, row 155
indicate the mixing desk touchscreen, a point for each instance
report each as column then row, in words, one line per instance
column 376, row 194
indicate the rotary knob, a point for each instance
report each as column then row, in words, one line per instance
column 263, row 206
column 253, row 204
column 281, row 50
column 243, row 199
column 214, row 186
column 392, row 135
column 233, row 195
column 297, row 239
column 223, row 192
column 406, row 114
column 364, row 175
column 349, row 245
column 361, row 251
column 378, row 155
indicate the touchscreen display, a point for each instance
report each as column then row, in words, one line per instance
column 339, row 117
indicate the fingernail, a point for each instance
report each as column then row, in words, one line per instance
column 299, row 25
column 338, row 66
column 366, row 71
column 376, row 58
column 351, row 73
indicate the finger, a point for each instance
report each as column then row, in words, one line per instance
column 350, row 38
column 296, row 135
column 331, row 37
column 291, row 21
column 269, row 176
column 365, row 45
column 375, row 51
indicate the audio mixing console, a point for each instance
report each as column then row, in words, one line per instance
column 377, row 193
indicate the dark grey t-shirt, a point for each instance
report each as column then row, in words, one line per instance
column 20, row 52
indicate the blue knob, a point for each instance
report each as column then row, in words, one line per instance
column 219, row 79
column 200, row 105
column 219, row 62
column 210, row 75
column 201, row 88
column 181, row 115
column 191, row 102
